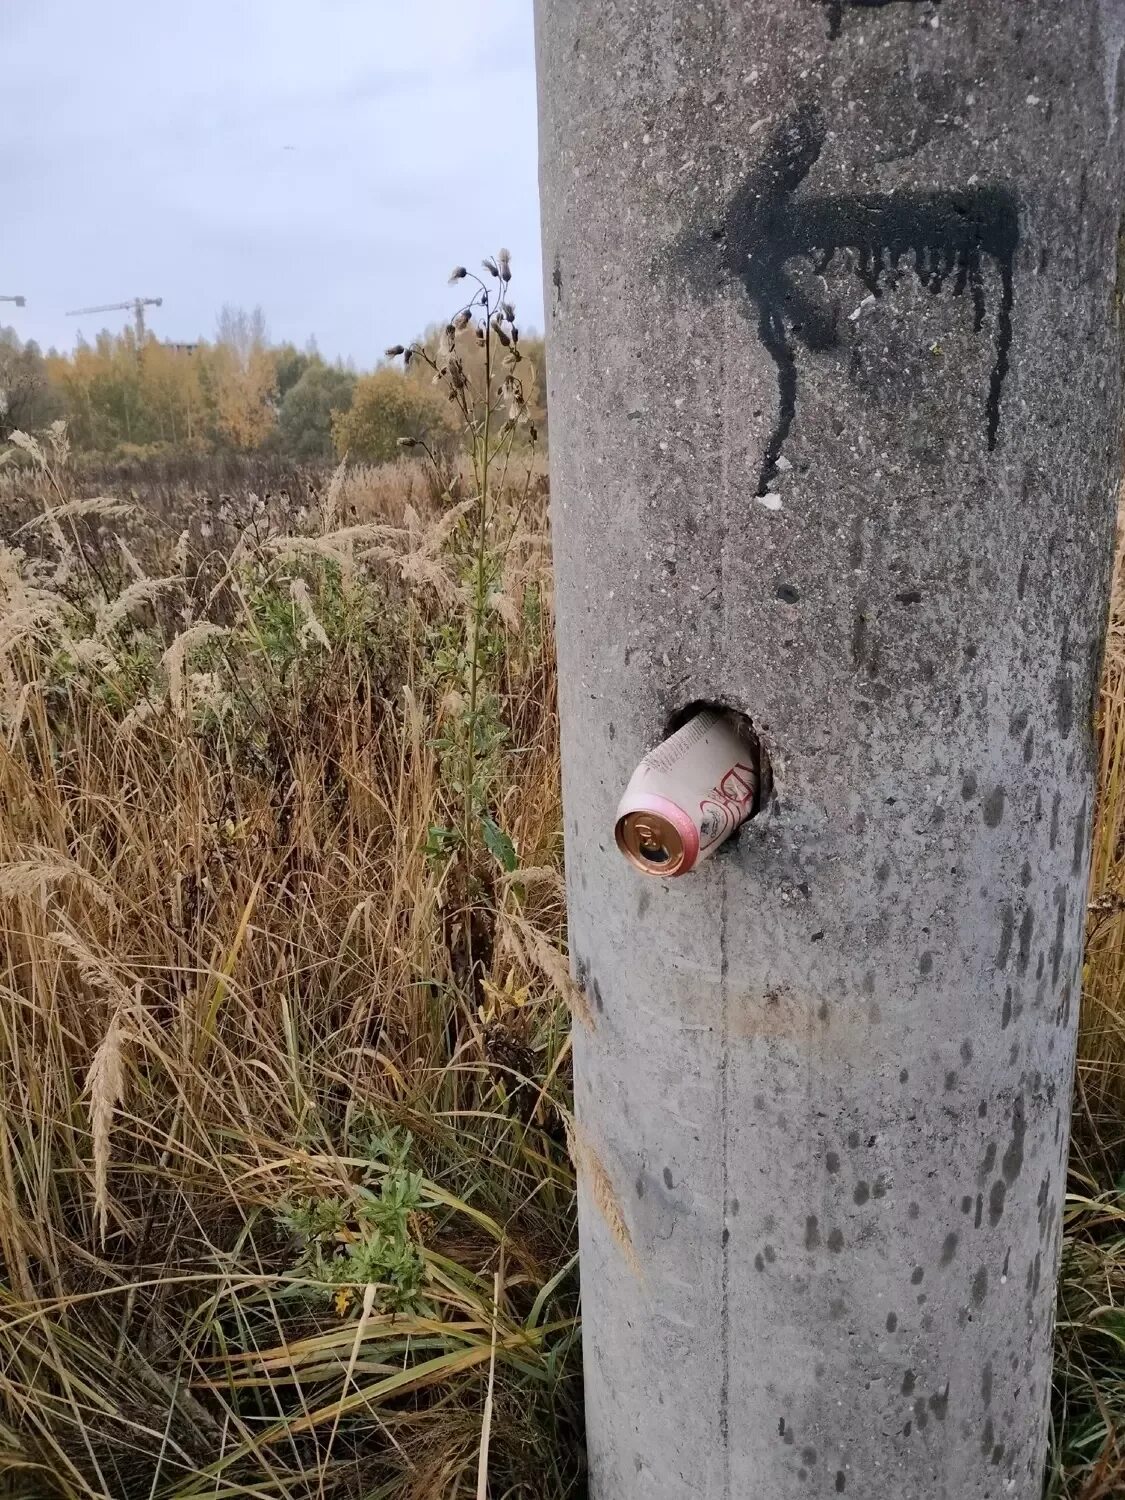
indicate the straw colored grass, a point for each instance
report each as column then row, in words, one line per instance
column 239, row 993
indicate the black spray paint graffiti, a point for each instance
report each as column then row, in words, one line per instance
column 835, row 10
column 949, row 234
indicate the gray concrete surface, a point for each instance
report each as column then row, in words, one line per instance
column 866, row 497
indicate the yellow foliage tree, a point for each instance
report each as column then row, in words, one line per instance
column 228, row 393
column 242, row 388
column 387, row 406
column 172, row 392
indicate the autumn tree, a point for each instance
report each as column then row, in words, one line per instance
column 387, row 406
column 172, row 395
column 26, row 400
column 291, row 363
column 308, row 409
column 241, row 379
column 100, row 388
column 240, row 392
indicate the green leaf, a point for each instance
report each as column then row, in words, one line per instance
column 439, row 841
column 498, row 843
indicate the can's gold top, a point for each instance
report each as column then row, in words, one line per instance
column 651, row 843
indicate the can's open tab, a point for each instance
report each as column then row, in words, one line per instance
column 690, row 794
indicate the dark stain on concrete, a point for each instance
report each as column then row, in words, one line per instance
column 1012, row 1165
column 1027, row 930
column 993, row 809
column 1079, row 841
column 988, row 1161
column 1007, row 930
column 996, row 1196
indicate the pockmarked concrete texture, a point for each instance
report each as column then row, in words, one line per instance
column 834, row 383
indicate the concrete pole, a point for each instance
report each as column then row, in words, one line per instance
column 834, row 387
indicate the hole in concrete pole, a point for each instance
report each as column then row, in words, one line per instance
column 745, row 725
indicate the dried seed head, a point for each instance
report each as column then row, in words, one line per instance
column 458, row 273
column 175, row 658
column 311, row 628
column 508, row 310
column 462, row 319
column 504, row 260
column 408, row 355
column 503, row 337
column 394, row 351
column 106, row 1085
column 452, row 705
column 503, row 605
column 490, row 266
column 450, row 337
column 407, row 442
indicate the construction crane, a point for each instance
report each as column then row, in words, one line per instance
column 19, row 301
column 135, row 305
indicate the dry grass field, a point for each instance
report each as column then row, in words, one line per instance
column 286, row 1200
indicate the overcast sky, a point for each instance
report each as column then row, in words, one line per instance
column 328, row 159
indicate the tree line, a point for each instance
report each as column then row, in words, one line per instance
column 236, row 392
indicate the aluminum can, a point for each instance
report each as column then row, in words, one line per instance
column 689, row 795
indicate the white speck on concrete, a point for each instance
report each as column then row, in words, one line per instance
column 772, row 501
column 858, row 312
